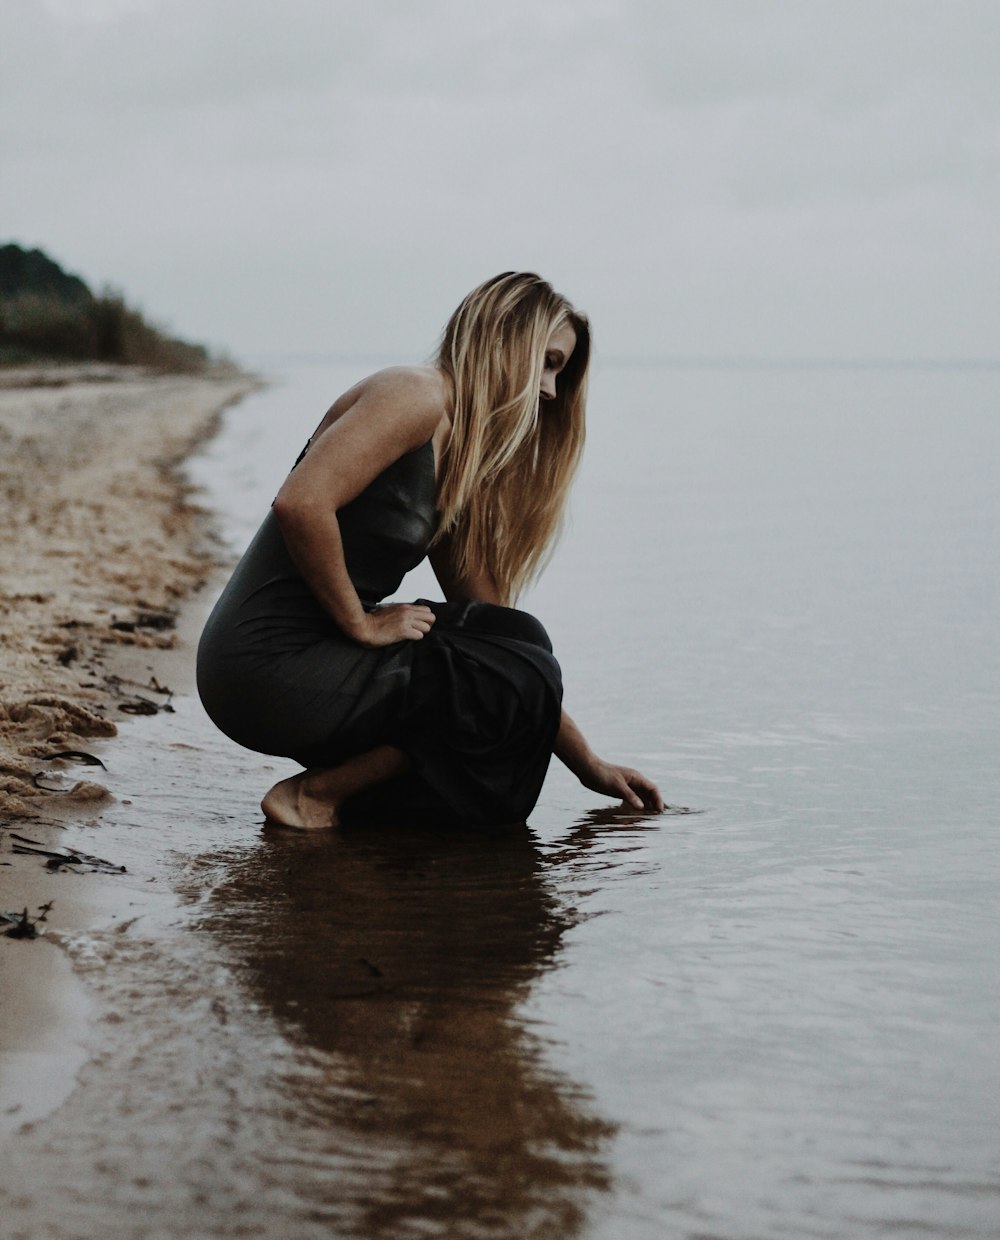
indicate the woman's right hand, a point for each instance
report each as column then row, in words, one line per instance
column 394, row 622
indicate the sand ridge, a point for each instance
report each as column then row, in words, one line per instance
column 100, row 541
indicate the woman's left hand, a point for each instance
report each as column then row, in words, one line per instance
column 630, row 785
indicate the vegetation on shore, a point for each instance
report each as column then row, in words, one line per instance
column 48, row 315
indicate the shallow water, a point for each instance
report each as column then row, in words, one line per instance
column 776, row 1017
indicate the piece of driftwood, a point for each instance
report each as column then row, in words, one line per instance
column 74, row 755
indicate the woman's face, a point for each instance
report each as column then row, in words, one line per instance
column 558, row 351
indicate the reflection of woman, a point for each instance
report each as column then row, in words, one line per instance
column 400, row 958
column 448, row 711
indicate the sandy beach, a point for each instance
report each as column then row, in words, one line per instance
column 102, row 543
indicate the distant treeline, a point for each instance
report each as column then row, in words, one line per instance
column 47, row 315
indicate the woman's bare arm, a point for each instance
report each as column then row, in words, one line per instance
column 386, row 416
column 458, row 587
column 605, row 777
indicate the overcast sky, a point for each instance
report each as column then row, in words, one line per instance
column 780, row 178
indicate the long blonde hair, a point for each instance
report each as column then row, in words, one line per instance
column 509, row 463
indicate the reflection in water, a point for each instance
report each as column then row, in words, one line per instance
column 402, row 957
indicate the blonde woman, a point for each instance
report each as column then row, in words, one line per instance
column 433, row 712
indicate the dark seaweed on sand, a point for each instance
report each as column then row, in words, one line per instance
column 69, row 857
column 22, row 925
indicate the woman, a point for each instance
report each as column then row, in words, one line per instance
column 434, row 712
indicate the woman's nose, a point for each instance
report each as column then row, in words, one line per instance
column 548, row 388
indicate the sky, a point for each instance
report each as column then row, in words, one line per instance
column 781, row 179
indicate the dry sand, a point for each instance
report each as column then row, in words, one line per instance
column 100, row 542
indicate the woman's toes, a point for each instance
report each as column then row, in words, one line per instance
column 280, row 805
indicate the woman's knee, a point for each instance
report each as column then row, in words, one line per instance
column 507, row 622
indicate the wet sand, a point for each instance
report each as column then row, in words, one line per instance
column 100, row 546
column 99, row 542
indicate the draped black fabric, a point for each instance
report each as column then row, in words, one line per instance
column 474, row 704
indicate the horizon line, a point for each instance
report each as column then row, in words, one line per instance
column 689, row 361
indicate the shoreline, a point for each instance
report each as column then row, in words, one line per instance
column 106, row 556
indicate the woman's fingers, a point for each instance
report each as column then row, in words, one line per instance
column 626, row 790
column 397, row 622
column 634, row 788
column 419, row 619
column 624, row 782
column 423, row 618
column 645, row 791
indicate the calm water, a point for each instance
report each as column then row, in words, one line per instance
column 775, row 1018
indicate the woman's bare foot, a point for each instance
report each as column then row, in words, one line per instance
column 311, row 800
column 292, row 803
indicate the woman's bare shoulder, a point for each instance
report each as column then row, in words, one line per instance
column 384, row 416
column 423, row 387
column 418, row 395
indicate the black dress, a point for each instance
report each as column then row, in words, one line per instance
column 474, row 704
